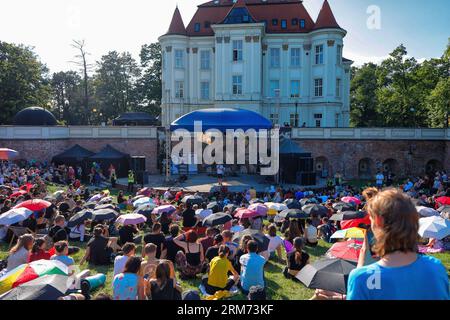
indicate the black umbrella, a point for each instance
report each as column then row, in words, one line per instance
column 293, row 214
column 216, row 219
column 343, row 206
column 49, row 287
column 258, row 236
column 348, row 215
column 327, row 274
column 444, row 209
column 318, row 209
column 214, row 206
column 292, row 204
column 192, row 200
column 305, row 201
column 107, row 206
column 90, row 205
column 79, row 218
column 104, row 214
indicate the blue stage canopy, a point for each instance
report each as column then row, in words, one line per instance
column 222, row 119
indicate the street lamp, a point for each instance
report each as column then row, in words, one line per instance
column 296, row 114
column 413, row 115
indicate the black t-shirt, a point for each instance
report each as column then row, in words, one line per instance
column 172, row 249
column 126, row 234
column 156, row 239
column 189, row 219
column 50, row 211
column 99, row 254
column 165, row 293
column 293, row 265
column 64, row 207
column 211, row 253
column 58, row 234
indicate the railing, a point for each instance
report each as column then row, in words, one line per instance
column 80, row 132
column 370, row 134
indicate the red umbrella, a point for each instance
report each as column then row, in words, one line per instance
column 34, row 205
column 443, row 201
column 26, row 187
column 245, row 213
column 348, row 250
column 355, row 223
column 8, row 154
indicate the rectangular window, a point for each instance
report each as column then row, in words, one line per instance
column 318, row 119
column 274, row 118
column 319, row 54
column 295, row 88
column 274, row 57
column 237, row 50
column 339, row 54
column 207, row 24
column 197, row 27
column 318, row 87
column 178, row 58
column 302, row 23
column 237, row 85
column 204, row 60
column 283, row 24
column 338, row 88
column 179, row 89
column 204, row 90
column 336, row 120
column 274, row 88
column 295, row 57
column 294, row 22
column 294, row 120
column 274, row 22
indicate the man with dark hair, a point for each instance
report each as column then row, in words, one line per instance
column 208, row 241
column 59, row 232
column 252, row 268
column 189, row 219
column 128, row 250
column 156, row 237
column 98, row 250
column 170, row 248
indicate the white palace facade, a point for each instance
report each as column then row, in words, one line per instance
column 267, row 56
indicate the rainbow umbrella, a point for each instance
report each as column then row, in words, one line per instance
column 354, row 233
column 8, row 154
column 34, row 204
column 30, row 271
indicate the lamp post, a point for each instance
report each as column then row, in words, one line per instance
column 414, row 116
column 296, row 114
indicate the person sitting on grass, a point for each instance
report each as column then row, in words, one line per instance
column 275, row 244
column 296, row 260
column 62, row 253
column 38, row 251
column 99, row 251
column 190, row 263
column 126, row 234
column 227, row 239
column 128, row 285
column 311, row 234
column 162, row 286
column 156, row 237
column 170, row 249
column 219, row 267
column 402, row 274
column 129, row 250
column 242, row 249
column 252, row 268
column 213, row 251
column 18, row 255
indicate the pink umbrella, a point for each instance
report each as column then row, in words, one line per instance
column 245, row 213
column 259, row 208
column 131, row 219
column 34, row 205
column 168, row 208
column 351, row 199
column 348, row 250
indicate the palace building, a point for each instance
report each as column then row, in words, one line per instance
column 267, row 56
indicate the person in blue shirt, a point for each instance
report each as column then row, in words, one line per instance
column 252, row 268
column 62, row 253
column 401, row 273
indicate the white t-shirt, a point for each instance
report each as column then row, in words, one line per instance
column 311, row 234
column 220, row 169
column 119, row 264
column 274, row 243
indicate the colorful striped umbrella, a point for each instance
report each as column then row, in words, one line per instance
column 14, row 215
column 34, row 204
column 8, row 154
column 30, row 271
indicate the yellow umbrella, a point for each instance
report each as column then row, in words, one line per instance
column 351, row 233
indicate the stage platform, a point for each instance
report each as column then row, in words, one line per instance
column 204, row 183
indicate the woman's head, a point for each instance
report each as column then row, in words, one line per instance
column 243, row 243
column 156, row 227
column 133, row 265
column 62, row 248
column 299, row 244
column 38, row 244
column 272, row 230
column 163, row 271
column 191, row 236
column 224, row 251
column 25, row 241
column 395, row 222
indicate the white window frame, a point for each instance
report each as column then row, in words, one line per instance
column 338, row 88
column 205, row 60
column 339, row 54
column 237, row 85
column 295, row 58
column 179, row 58
column 295, row 94
column 274, row 118
column 205, row 93
column 318, row 87
column 318, row 54
column 238, row 50
column 273, row 90
column 294, row 120
column 318, row 119
column 275, row 59
column 179, row 89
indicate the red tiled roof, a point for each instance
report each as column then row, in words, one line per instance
column 177, row 25
column 326, row 18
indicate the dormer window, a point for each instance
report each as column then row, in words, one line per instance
column 197, row 27
column 302, row 23
column 207, row 24
column 274, row 22
column 283, row 24
column 294, row 22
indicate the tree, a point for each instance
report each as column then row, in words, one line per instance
column 438, row 103
column 68, row 97
column 115, row 85
column 23, row 81
column 85, row 67
column 150, row 84
column 363, row 96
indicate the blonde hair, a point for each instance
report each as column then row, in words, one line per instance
column 399, row 231
column 24, row 240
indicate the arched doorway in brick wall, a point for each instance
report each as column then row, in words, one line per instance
column 366, row 168
column 391, row 165
column 433, row 166
column 323, row 168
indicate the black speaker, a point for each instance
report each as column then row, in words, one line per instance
column 138, row 163
column 306, row 165
column 141, row 177
column 306, row 179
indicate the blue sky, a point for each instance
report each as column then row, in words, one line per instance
column 124, row 25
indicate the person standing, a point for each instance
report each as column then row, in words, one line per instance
column 220, row 173
column 130, row 181
column 380, row 179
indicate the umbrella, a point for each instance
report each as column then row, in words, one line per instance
column 318, row 209
column 214, row 206
column 107, row 206
column 192, row 200
column 105, row 200
column 14, row 215
column 104, row 214
column 356, row 233
column 231, row 208
column 444, row 209
column 427, row 212
column 292, row 214
column 327, row 274
column 30, row 271
column 90, row 205
column 95, row 198
column 217, row 219
column 48, row 287
column 253, row 201
column 34, row 205
column 347, row 250
column 168, row 208
column 58, row 194
column 79, row 218
column 18, row 194
column 276, row 206
column 245, row 214
column 259, row 208
column 145, row 192
column 305, row 201
column 8, row 154
column 434, row 227
column 443, row 201
column 343, row 206
column 348, row 215
column 292, row 204
column 131, row 219
column 354, row 200
column 356, row 223
column 258, row 236
column 145, row 210
column 141, row 201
